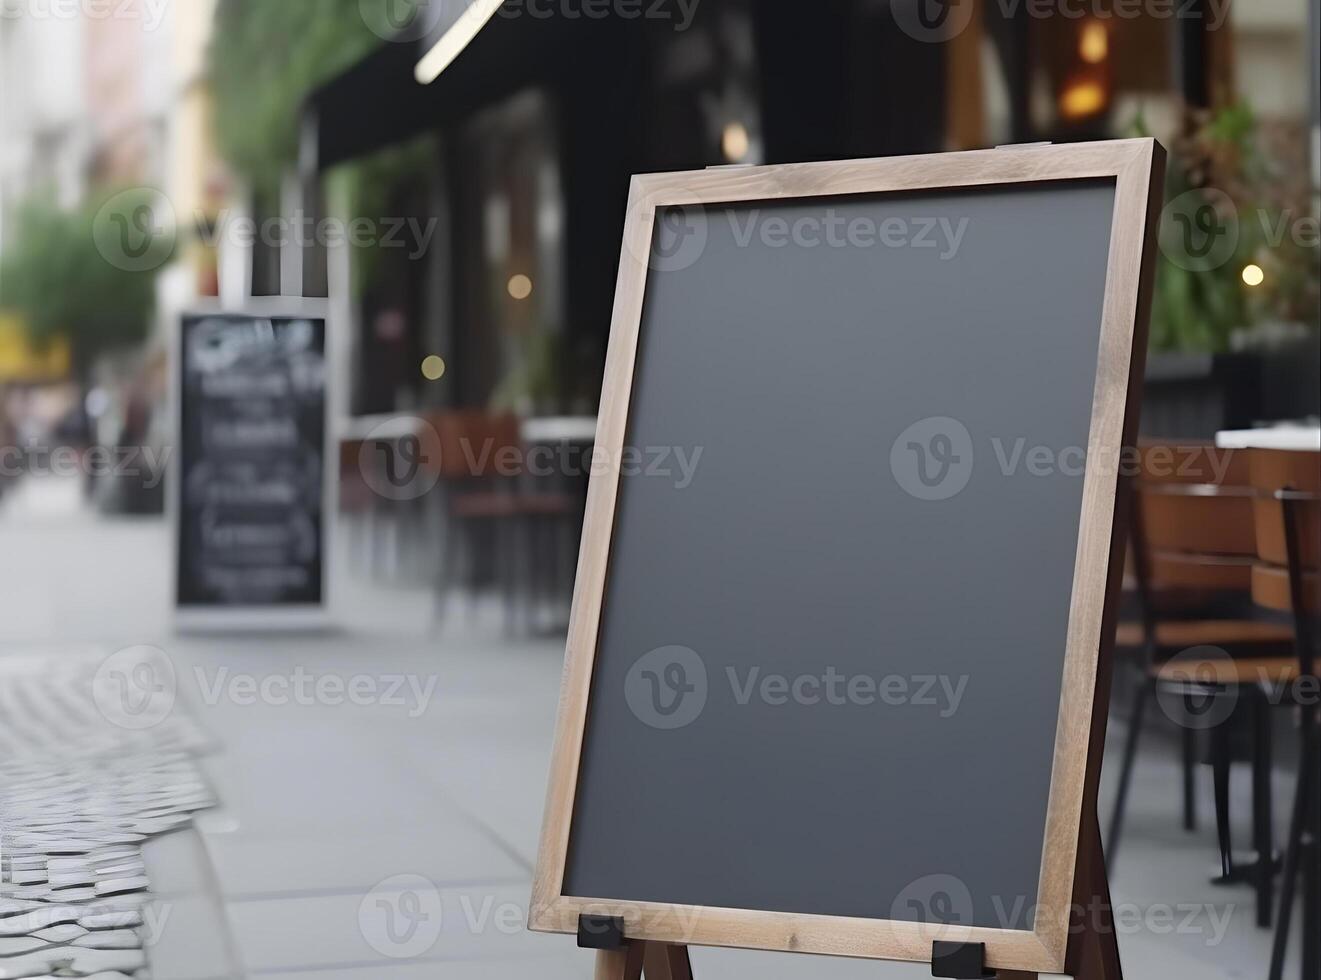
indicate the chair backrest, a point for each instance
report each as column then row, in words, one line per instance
column 1194, row 521
column 472, row 444
column 355, row 494
column 1287, row 479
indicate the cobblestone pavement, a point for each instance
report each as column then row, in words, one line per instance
column 83, row 786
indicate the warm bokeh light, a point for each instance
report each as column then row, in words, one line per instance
column 1082, row 98
column 1253, row 274
column 520, row 286
column 433, row 367
column 1094, row 43
column 734, row 142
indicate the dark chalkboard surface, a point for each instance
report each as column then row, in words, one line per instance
column 839, row 614
column 251, row 461
column 822, row 386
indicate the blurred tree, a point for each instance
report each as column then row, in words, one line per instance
column 86, row 274
column 266, row 57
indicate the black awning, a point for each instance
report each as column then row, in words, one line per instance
column 379, row 101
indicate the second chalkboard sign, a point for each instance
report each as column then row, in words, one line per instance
column 250, row 470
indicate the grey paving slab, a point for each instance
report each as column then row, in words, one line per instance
column 503, row 787
column 177, row 863
column 386, row 926
column 188, row 939
column 298, row 778
column 450, row 849
column 573, row 965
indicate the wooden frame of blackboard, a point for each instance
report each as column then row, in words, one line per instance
column 1071, row 844
column 311, row 616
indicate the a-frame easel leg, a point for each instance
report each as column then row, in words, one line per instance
column 620, row 964
column 666, row 961
column 658, row 961
column 1093, row 945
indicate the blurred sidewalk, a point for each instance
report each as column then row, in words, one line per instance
column 352, row 836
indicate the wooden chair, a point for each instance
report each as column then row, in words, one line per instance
column 1288, row 579
column 1192, row 554
column 487, row 495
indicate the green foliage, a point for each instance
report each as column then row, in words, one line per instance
column 535, row 380
column 266, row 56
column 368, row 187
column 59, row 276
column 1229, row 201
column 1196, row 305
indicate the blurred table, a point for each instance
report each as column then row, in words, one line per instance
column 546, row 429
column 1299, row 437
column 1295, row 437
column 358, row 428
column 560, row 428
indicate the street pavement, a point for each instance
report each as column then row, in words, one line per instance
column 391, row 832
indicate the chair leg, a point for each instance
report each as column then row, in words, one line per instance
column 525, row 581
column 1262, row 833
column 1312, row 911
column 419, row 526
column 1189, row 739
column 517, row 574
column 544, row 557
column 567, row 554
column 529, row 560
column 443, row 540
column 376, row 541
column 507, row 552
column 1220, row 761
column 1292, row 859
column 1312, row 872
column 390, row 543
column 477, row 540
column 1136, row 718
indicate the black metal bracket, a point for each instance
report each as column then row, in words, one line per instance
column 959, row 961
column 601, row 932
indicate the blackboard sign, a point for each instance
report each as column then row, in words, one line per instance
column 831, row 686
column 251, row 487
